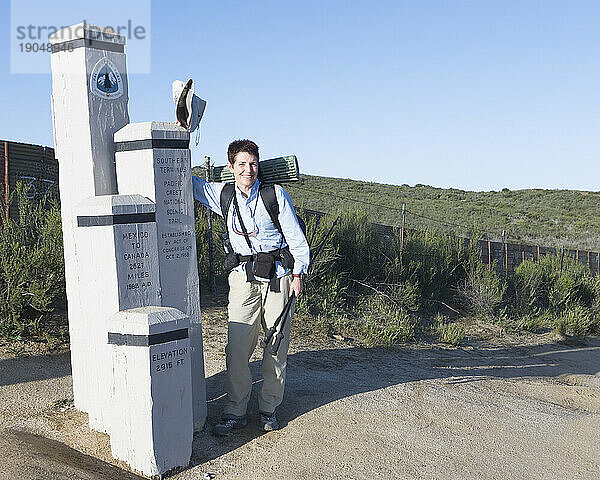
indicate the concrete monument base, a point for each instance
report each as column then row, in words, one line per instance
column 151, row 389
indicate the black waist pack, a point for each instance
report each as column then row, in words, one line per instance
column 287, row 259
column 263, row 265
column 231, row 260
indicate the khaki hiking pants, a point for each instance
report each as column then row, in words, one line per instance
column 252, row 305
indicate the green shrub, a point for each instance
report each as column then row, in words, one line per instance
column 405, row 295
column 577, row 321
column 570, row 286
column 435, row 263
column 532, row 323
column 325, row 288
column 451, row 333
column 593, row 287
column 530, row 286
column 32, row 278
column 482, row 291
column 370, row 286
column 360, row 245
column 327, row 297
column 551, row 284
column 386, row 326
column 202, row 245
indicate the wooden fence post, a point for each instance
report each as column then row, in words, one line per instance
column 211, row 253
column 6, row 179
column 402, row 230
column 588, row 260
column 503, row 271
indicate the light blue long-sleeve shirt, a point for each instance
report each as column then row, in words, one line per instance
column 264, row 236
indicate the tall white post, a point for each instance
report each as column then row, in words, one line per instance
column 89, row 103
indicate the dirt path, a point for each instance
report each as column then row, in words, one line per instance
column 494, row 410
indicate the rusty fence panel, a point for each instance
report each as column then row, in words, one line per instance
column 502, row 257
column 34, row 166
column 3, row 180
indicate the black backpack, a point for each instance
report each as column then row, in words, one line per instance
column 267, row 194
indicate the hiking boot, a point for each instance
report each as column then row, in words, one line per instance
column 227, row 425
column 268, row 422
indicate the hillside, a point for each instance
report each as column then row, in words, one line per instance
column 544, row 217
column 536, row 216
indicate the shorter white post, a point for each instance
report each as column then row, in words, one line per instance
column 151, row 394
column 116, row 255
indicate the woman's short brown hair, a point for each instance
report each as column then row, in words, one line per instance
column 238, row 146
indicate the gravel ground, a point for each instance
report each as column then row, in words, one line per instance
column 509, row 407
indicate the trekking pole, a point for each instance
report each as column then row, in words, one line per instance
column 312, row 237
column 324, row 240
column 288, row 307
column 291, row 306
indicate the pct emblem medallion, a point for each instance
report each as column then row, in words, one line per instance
column 105, row 80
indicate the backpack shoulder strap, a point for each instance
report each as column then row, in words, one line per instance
column 226, row 198
column 267, row 193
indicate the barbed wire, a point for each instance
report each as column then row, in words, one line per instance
column 347, row 198
column 389, row 207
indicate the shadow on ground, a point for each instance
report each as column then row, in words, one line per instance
column 34, row 368
column 316, row 378
column 319, row 377
column 46, row 458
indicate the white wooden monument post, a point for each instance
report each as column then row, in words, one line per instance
column 130, row 258
column 153, row 159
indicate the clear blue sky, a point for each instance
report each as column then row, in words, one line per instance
column 476, row 95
